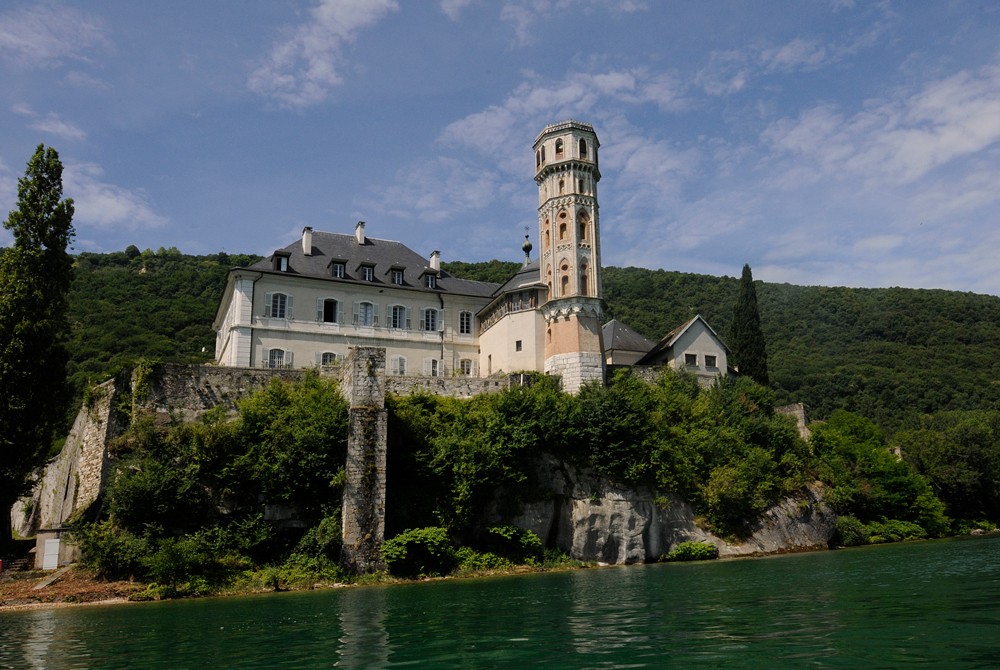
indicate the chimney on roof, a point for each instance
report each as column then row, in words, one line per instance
column 436, row 260
column 307, row 241
column 359, row 232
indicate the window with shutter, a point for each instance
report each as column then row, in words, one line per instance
column 278, row 306
column 429, row 319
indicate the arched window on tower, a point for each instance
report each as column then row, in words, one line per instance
column 579, row 186
column 562, row 230
column 538, row 159
column 559, row 149
column 543, row 153
column 583, row 280
column 562, row 187
column 583, row 148
column 565, row 285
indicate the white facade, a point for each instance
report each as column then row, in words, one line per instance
column 302, row 310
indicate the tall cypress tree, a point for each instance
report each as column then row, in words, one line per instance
column 749, row 350
column 35, row 275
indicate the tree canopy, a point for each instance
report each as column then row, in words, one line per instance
column 35, row 275
column 749, row 350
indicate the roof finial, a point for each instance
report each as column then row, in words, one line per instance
column 526, row 247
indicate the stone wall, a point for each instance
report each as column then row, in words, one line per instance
column 363, row 382
column 453, row 387
column 74, row 480
column 185, row 392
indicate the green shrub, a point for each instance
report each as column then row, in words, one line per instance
column 303, row 571
column 849, row 532
column 420, row 552
column 693, row 551
column 894, row 530
column 518, row 545
column 111, row 552
column 470, row 560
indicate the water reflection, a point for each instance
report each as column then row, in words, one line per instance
column 40, row 635
column 364, row 641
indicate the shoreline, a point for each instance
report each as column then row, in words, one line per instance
column 82, row 583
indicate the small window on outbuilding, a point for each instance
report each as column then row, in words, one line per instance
column 691, row 360
column 710, row 361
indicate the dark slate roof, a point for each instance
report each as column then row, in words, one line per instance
column 619, row 337
column 529, row 275
column 383, row 255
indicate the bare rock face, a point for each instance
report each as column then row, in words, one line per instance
column 594, row 519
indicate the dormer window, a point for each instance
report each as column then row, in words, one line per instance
column 430, row 281
column 397, row 277
column 281, row 261
column 338, row 270
column 368, row 273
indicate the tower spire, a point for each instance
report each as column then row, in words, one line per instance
column 567, row 172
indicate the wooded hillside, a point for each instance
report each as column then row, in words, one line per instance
column 887, row 354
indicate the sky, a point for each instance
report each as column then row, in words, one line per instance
column 823, row 142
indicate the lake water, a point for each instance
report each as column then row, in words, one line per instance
column 929, row 604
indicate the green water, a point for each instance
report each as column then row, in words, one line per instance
column 931, row 604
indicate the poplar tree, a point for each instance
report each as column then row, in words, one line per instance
column 749, row 350
column 35, row 275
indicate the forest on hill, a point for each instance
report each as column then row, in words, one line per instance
column 889, row 355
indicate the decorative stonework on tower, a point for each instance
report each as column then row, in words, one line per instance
column 566, row 171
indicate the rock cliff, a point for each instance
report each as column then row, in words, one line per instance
column 594, row 519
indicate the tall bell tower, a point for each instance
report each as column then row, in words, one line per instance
column 566, row 171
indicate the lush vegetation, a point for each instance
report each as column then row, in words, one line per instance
column 255, row 498
column 132, row 305
column 193, row 505
column 34, row 279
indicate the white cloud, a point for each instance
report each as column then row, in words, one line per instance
column 453, row 8
column 79, row 79
column 50, row 124
column 733, row 70
column 301, row 70
column 106, row 206
column 898, row 141
column 498, row 131
column 46, row 35
column 524, row 15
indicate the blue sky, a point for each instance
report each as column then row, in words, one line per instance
column 823, row 142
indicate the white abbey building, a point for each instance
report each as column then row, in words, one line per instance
column 309, row 302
